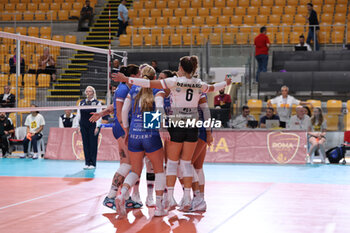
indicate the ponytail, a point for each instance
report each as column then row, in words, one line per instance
column 189, row 64
column 145, row 96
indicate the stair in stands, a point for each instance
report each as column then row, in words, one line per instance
column 82, row 71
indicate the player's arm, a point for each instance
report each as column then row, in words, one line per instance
column 97, row 115
column 157, row 84
column 159, row 101
column 125, row 113
column 203, row 104
column 217, row 86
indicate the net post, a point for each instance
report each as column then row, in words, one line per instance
column 18, row 70
column 108, row 76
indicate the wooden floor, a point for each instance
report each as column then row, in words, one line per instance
column 74, row 204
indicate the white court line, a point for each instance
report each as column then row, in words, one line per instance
column 34, row 199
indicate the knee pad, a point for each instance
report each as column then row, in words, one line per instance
column 179, row 173
column 195, row 176
column 124, row 169
column 131, row 179
column 160, row 181
column 201, row 178
column 149, row 167
column 171, row 167
column 186, row 167
column 150, row 176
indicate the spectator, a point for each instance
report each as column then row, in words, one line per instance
column 307, row 110
column 303, row 44
column 262, row 44
column 241, row 122
column 116, row 66
column 47, row 64
column 284, row 104
column 8, row 99
column 122, row 18
column 270, row 115
column 154, row 64
column 300, row 121
column 313, row 26
column 66, row 120
column 6, row 130
column 222, row 100
column 35, row 124
column 317, row 137
column 87, row 12
column 13, row 61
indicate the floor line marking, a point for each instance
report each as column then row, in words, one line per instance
column 37, row 198
column 242, row 208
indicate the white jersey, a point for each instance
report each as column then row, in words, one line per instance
column 184, row 95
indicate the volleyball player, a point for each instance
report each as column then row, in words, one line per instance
column 118, row 101
column 143, row 141
column 185, row 93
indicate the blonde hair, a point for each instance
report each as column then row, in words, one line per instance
column 93, row 89
column 145, row 96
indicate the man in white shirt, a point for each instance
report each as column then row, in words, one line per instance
column 300, row 121
column 122, row 18
column 35, row 124
column 241, row 122
column 303, row 44
column 284, row 104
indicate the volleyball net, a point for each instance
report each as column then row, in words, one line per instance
column 53, row 74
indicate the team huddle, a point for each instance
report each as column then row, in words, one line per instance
column 169, row 153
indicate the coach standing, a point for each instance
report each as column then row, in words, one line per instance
column 122, row 18
column 262, row 44
column 313, row 26
column 89, row 131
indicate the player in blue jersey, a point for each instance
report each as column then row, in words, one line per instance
column 142, row 141
column 118, row 100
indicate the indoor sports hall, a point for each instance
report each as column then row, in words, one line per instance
column 242, row 104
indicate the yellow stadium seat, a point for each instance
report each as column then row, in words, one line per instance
column 327, row 18
column 13, row 78
column 45, row 31
column 317, row 8
column 338, row 37
column 32, row 7
column 245, row 28
column 176, row 39
column 124, row 40
column 264, row 10
column 275, row 19
column 168, row 12
column 302, row 9
column 163, row 40
column 328, row 9
column 303, row 2
column 287, row 18
column 181, row 30
column 342, row 2
column 201, row 39
column 44, row 6
column 137, row 40
column 332, row 122
column 236, row 19
column 40, row 15
column 215, row 11
column 10, row 7
column 33, row 31
column 249, row 19
column 72, row 13
column 290, row 10
column 282, row 38
column 184, row 4
column 4, row 79
column 21, row 30
column 162, row 21
column 294, row 37
column 150, row 40
column 220, row 29
column 315, row 103
column 29, row 93
column 21, row 7
column 29, row 80
column 339, row 18
column 261, row 19
column 240, row 10
column 191, row 12
column 341, row 8
column 137, row 22
column 63, row 15
column 196, row 3
column 215, row 38
column 150, row 4
column 198, row 20
column 79, row 5
column 70, row 39
column 132, row 13
column 206, row 30
column 324, row 26
column 24, row 103
column 338, row 27
column 6, row 16
column 242, row 38
column 144, row 31
column 137, row 4
column 317, row 2
column 150, row 21
column 154, row 12
column 33, row 66
column 280, row 3
column 267, row 2
column 13, row 117
column 277, row 10
column 188, row 39
column 131, row 30
column 5, row 68
column 220, row 3
column 168, row 30
column 186, row 21
column 255, row 106
column 9, row 29
column 208, row 3
column 334, row 106
column 58, row 38
column 143, row 13
column 179, row 12
column 285, row 27
column 203, row 12
column 156, row 30
column 194, row 30
column 66, row 6
column 252, row 11
column 161, row 4
column 243, row 3
column 211, row 20
column 227, row 38
column 224, row 20
column 256, row 3
column 300, row 19
column 174, row 21
column 172, row 4
column 231, row 3
column 228, row 11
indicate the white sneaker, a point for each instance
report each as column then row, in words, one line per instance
column 136, row 198
column 35, row 156
column 181, row 201
column 196, row 201
column 150, row 201
column 158, row 212
column 23, row 156
column 186, row 204
column 200, row 207
column 91, row 167
column 120, row 206
column 171, row 203
column 86, row 167
column 308, row 159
